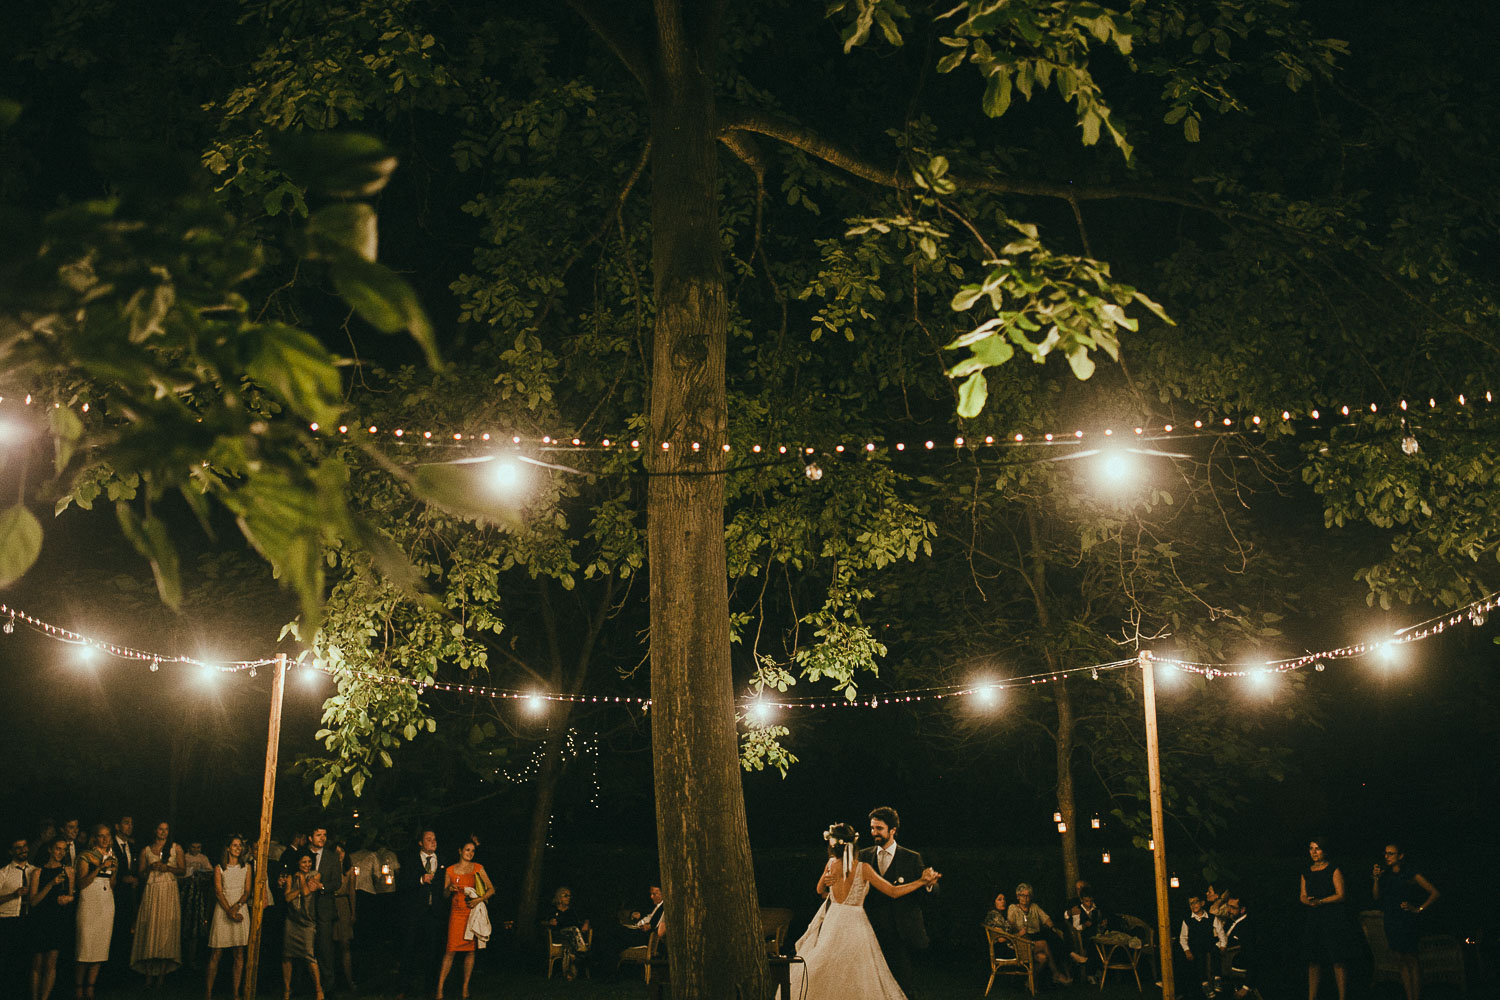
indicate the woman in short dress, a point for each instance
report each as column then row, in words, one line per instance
column 1402, row 892
column 297, row 942
column 462, row 876
column 50, row 896
column 95, row 882
column 1329, row 936
column 157, row 947
column 230, row 926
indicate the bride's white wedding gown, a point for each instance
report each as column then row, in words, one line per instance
column 841, row 958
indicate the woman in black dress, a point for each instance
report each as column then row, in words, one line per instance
column 1329, row 938
column 1402, row 892
column 50, row 896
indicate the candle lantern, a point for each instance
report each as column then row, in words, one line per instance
column 1095, row 822
column 1062, row 828
column 1106, row 857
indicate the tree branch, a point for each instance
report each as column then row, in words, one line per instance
column 618, row 34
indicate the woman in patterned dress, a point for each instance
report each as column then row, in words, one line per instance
column 95, row 879
column 230, row 927
column 460, row 878
column 297, row 942
column 157, row 947
column 50, row 896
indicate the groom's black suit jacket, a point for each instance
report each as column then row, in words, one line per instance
column 904, row 915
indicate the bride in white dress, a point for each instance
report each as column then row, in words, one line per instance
column 840, row 955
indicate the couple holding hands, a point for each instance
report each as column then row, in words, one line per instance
column 859, row 944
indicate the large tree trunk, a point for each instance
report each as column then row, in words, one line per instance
column 712, row 915
column 1064, row 702
column 548, row 774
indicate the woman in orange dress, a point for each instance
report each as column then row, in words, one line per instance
column 468, row 885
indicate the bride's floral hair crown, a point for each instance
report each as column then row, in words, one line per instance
column 842, row 834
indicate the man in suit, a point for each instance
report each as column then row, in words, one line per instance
column 897, row 922
column 70, row 831
column 419, row 895
column 1236, row 936
column 330, row 872
column 127, row 896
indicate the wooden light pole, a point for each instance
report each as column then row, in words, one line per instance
column 263, row 843
column 1158, row 829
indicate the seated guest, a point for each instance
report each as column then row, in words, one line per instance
column 1237, row 945
column 647, row 922
column 1089, row 921
column 569, row 930
column 1031, row 922
column 1198, row 941
column 998, row 915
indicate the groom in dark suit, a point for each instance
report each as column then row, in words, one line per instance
column 897, row 922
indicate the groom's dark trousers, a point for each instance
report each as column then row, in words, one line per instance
column 897, row 922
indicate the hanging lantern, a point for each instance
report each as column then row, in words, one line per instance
column 1062, row 828
column 1106, row 857
column 1175, row 882
column 1057, row 817
column 1095, row 822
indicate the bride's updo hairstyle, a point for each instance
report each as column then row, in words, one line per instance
column 841, row 839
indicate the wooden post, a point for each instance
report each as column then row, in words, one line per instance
column 1158, row 830
column 263, row 842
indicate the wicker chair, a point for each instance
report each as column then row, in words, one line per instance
column 1440, row 956
column 641, row 955
column 555, row 950
column 1020, row 961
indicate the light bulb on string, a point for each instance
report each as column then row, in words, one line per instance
column 759, row 713
column 813, row 471
column 988, row 695
column 535, row 703
column 86, row 652
column 10, row 625
column 505, row 475
column 1116, row 468
column 1387, row 654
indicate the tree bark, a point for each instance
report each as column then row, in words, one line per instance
column 712, row 915
column 548, row 774
column 1064, row 703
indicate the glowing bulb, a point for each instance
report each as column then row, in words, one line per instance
column 760, row 713
column 207, row 673
column 813, row 471
column 11, row 431
column 535, row 703
column 1388, row 654
column 86, row 652
column 988, row 695
column 505, row 475
column 1117, row 468
column 1261, row 678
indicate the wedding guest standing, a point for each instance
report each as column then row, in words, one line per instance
column 195, row 894
column 1402, row 892
column 127, row 896
column 419, row 885
column 331, row 878
column 466, row 885
column 299, row 940
column 95, row 878
column 77, row 842
column 230, row 926
column 1329, row 934
column 46, row 832
column 51, row 900
column 343, row 919
column 157, row 948
column 15, row 878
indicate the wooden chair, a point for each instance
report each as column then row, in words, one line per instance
column 1119, row 951
column 774, row 921
column 555, row 950
column 1136, row 927
column 1019, row 963
column 642, row 955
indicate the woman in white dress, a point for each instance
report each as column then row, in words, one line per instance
column 840, row 955
column 230, row 927
column 157, row 947
column 95, row 878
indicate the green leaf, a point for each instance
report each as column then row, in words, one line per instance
column 67, row 428
column 293, row 365
column 20, row 543
column 972, row 394
column 965, row 297
column 348, row 226
column 997, row 94
column 384, row 300
column 1082, row 363
column 344, row 165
